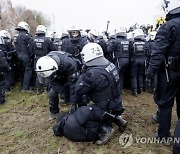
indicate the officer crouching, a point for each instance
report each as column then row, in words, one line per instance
column 4, row 67
column 100, row 82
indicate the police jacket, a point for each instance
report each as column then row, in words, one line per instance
column 24, row 43
column 165, row 56
column 42, row 45
column 101, row 84
column 8, row 45
column 138, row 48
column 67, row 71
column 4, row 66
column 119, row 47
column 74, row 46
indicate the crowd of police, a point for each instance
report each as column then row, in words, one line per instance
column 91, row 72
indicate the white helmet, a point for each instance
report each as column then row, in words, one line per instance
column 138, row 32
column 121, row 31
column 45, row 66
column 5, row 34
column 23, row 25
column 92, row 34
column 171, row 6
column 74, row 28
column 41, row 29
column 91, row 51
column 74, row 31
column 50, row 34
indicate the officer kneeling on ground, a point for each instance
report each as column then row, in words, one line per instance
column 100, row 82
column 61, row 69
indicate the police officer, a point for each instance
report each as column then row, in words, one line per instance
column 75, row 43
column 4, row 67
column 61, row 68
column 100, row 81
column 165, row 60
column 150, row 40
column 41, row 46
column 119, row 48
column 138, row 52
column 80, row 126
column 10, row 55
column 110, row 55
column 64, row 37
column 24, row 53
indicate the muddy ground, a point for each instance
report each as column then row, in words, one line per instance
column 25, row 127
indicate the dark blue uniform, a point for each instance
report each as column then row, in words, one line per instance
column 119, row 48
column 24, row 53
column 80, row 126
column 109, row 55
column 41, row 46
column 67, row 74
column 153, row 83
column 101, row 84
column 4, row 67
column 165, row 60
column 10, row 55
column 74, row 46
column 138, row 51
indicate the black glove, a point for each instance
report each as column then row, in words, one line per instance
column 73, row 109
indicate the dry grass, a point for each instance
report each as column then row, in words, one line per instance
column 25, row 129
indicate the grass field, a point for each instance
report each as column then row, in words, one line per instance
column 25, row 127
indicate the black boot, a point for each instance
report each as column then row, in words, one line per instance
column 140, row 90
column 105, row 134
column 121, row 123
column 134, row 92
column 118, row 120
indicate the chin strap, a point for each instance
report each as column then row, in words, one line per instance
column 54, row 68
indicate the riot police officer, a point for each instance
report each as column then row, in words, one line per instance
column 41, row 46
column 4, row 67
column 165, row 60
column 10, row 55
column 150, row 40
column 100, row 82
column 24, row 53
column 119, row 48
column 61, row 68
column 75, row 43
column 138, row 52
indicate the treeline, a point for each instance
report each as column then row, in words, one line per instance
column 10, row 16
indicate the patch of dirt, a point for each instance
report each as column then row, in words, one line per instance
column 25, row 127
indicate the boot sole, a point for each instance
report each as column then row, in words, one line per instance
column 109, row 137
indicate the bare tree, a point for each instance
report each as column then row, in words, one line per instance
column 10, row 17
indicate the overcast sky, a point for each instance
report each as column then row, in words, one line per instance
column 94, row 13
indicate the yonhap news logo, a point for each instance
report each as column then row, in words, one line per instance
column 127, row 139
